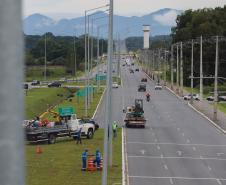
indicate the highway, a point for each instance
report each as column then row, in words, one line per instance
column 178, row 146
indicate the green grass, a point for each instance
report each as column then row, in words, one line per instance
column 60, row 163
column 222, row 107
column 39, row 100
column 55, row 72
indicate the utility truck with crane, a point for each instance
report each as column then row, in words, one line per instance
column 66, row 125
column 134, row 115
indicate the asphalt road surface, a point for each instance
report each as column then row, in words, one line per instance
column 178, row 146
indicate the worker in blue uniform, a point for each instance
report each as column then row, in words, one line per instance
column 97, row 160
column 84, row 159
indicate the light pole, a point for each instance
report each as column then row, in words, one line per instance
column 201, row 70
column 75, row 56
column 181, row 69
column 216, row 80
column 86, row 74
column 108, row 116
column 177, row 68
column 192, row 69
column 172, row 75
column 45, row 60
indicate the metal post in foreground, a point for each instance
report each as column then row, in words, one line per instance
column 11, row 96
column 216, row 80
column 108, row 117
column 86, row 93
column 75, row 62
column 192, row 70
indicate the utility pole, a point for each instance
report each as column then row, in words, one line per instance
column 159, row 60
column 86, row 86
column 45, row 70
column 75, row 57
column 181, row 69
column 192, row 69
column 216, row 80
column 88, row 95
column 108, row 116
column 177, row 68
column 172, row 59
column 119, row 54
column 98, row 57
column 201, row 70
column 165, row 65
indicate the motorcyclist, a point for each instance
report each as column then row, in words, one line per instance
column 148, row 97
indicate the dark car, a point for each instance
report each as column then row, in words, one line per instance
column 142, row 88
column 35, row 82
column 137, row 69
column 54, row 84
column 131, row 71
column 144, row 80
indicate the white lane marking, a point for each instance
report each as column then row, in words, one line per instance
column 179, row 178
column 188, row 141
column 101, row 99
column 219, row 182
column 150, row 128
column 156, row 140
column 220, row 154
column 209, row 168
column 179, row 153
column 142, row 152
column 153, row 133
column 183, row 134
column 194, row 148
column 171, row 181
column 166, row 167
column 123, row 160
column 179, row 144
column 162, row 157
column 178, row 129
column 158, row 147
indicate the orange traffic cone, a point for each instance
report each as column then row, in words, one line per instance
column 90, row 164
column 38, row 150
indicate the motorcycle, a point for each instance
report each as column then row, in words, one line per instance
column 148, row 98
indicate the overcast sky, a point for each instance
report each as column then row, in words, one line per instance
column 74, row 8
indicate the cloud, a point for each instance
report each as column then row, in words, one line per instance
column 167, row 19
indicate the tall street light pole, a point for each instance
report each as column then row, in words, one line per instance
column 201, row 70
column 181, row 69
column 108, row 116
column 216, row 80
column 172, row 59
column 177, row 68
column 45, row 60
column 192, row 69
column 75, row 65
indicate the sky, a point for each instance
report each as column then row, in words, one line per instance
column 58, row 9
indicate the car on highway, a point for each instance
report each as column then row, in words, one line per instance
column 210, row 98
column 158, row 86
column 54, row 84
column 188, row 97
column 123, row 65
column 137, row 69
column 142, row 87
column 222, row 98
column 144, row 80
column 115, row 85
column 131, row 71
column 35, row 82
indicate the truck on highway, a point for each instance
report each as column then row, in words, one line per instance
column 134, row 115
column 68, row 126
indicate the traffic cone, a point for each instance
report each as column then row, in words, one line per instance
column 90, row 164
column 38, row 150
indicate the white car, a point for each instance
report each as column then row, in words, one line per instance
column 188, row 97
column 114, row 85
column 158, row 87
column 75, row 124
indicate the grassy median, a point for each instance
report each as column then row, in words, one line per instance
column 60, row 163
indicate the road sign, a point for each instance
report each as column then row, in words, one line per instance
column 66, row 111
column 100, row 77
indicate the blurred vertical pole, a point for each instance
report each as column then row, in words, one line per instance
column 98, row 58
column 201, row 70
column 119, row 54
column 216, row 80
column 91, row 68
column 11, row 96
column 88, row 64
column 192, row 69
column 172, row 70
column 165, row 67
column 108, row 115
column 75, row 56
